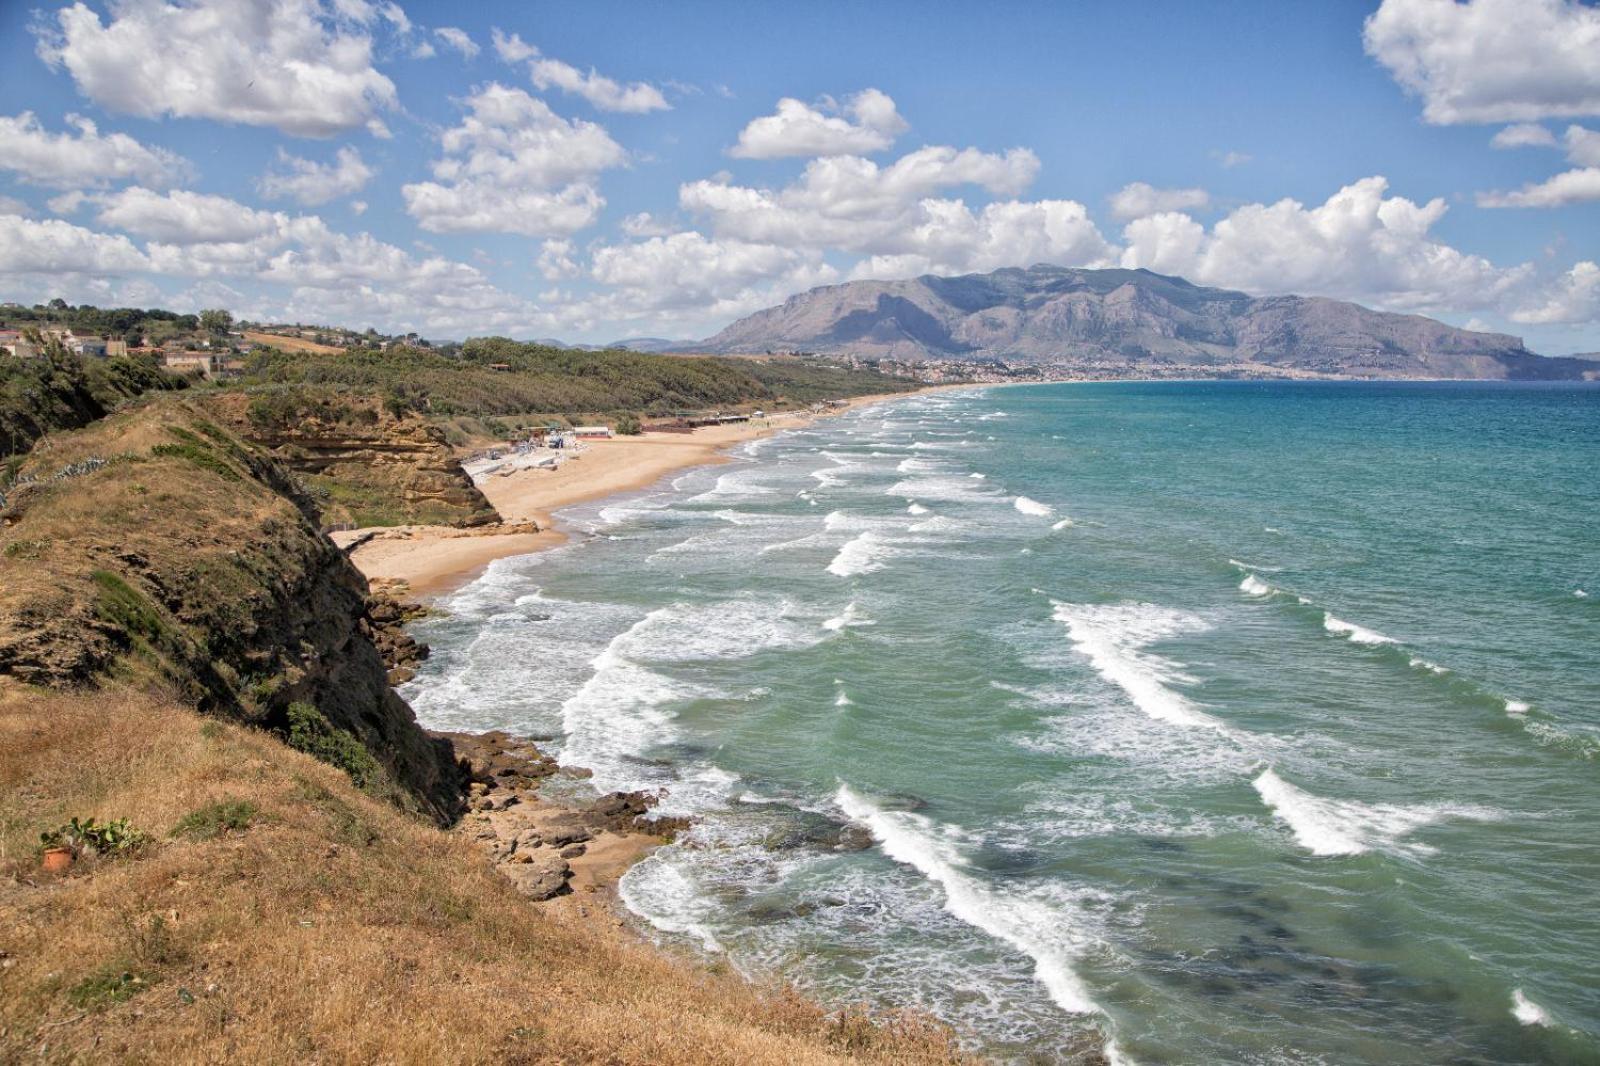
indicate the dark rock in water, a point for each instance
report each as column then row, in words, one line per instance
column 902, row 801
column 1157, row 844
column 854, row 838
column 1003, row 860
column 772, row 911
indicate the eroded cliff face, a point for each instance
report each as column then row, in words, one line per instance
column 158, row 549
column 366, row 467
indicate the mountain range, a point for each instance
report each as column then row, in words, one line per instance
column 1126, row 318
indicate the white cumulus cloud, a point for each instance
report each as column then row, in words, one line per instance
column 511, row 47
column 1140, row 198
column 602, row 92
column 182, row 217
column 85, row 158
column 311, row 183
column 293, row 64
column 800, row 129
column 1581, row 185
column 514, row 166
column 1524, row 135
column 51, row 246
column 1361, row 244
column 1491, row 60
column 1575, row 297
column 457, row 39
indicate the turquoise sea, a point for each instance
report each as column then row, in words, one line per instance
column 1195, row 722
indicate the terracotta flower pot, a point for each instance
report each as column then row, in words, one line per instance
column 57, row 860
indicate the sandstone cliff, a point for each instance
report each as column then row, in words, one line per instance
column 157, row 548
column 365, row 466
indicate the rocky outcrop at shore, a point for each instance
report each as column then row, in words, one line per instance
column 549, row 849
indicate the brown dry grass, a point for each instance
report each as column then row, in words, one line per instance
column 334, row 929
column 291, row 344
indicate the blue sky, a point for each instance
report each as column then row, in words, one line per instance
column 605, row 170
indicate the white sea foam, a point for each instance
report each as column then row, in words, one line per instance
column 1344, row 827
column 1049, row 933
column 1516, row 708
column 1246, row 567
column 978, row 477
column 1527, row 1011
column 1254, row 586
column 1352, row 632
column 841, row 699
column 1113, row 637
column 615, row 717
column 861, row 555
column 1033, row 507
column 1419, row 663
column 660, row 891
column 916, row 508
column 849, row 618
column 1582, row 595
column 1062, row 524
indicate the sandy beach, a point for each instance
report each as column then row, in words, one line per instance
column 434, row 560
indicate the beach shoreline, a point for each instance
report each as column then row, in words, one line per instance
column 430, row 562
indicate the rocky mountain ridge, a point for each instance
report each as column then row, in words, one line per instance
column 1119, row 318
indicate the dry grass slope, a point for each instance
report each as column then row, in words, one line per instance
column 309, row 923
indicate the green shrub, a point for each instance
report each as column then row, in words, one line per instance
column 105, row 988
column 216, row 819
column 116, row 837
column 311, row 732
column 200, row 456
column 628, row 426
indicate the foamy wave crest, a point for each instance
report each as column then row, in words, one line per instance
column 729, row 629
column 1033, row 507
column 1113, row 638
column 861, row 555
column 618, row 714
column 1247, row 567
column 916, row 508
column 1065, row 523
column 1527, row 1011
column 1254, row 586
column 1516, row 708
column 849, row 618
column 1051, row 934
column 1344, row 827
column 1352, row 632
column 661, row 892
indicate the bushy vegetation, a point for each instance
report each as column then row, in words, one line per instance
column 493, row 376
column 217, row 819
column 131, row 324
column 61, row 390
column 115, row 837
column 310, row 731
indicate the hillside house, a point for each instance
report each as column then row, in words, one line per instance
column 209, row 364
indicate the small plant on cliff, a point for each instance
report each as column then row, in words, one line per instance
column 116, row 837
column 217, row 819
column 311, row 732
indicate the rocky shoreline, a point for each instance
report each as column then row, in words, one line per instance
column 550, row 849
